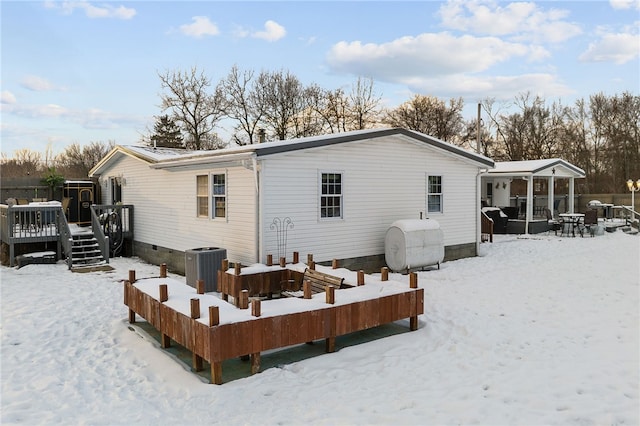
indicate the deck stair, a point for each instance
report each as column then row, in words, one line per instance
column 85, row 253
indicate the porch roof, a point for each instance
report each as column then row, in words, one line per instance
column 537, row 168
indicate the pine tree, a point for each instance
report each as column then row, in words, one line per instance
column 166, row 133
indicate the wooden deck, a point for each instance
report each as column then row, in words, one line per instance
column 215, row 330
column 38, row 223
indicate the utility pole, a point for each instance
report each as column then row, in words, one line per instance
column 478, row 144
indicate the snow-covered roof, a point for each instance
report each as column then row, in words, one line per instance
column 544, row 167
column 169, row 157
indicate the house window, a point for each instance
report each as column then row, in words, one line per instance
column 116, row 190
column 202, row 195
column 434, row 194
column 219, row 196
column 331, row 195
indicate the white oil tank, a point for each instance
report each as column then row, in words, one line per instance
column 413, row 243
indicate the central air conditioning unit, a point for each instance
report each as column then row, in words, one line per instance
column 204, row 264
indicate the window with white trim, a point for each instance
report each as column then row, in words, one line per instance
column 330, row 195
column 202, row 195
column 219, row 195
column 212, row 200
column 434, row 194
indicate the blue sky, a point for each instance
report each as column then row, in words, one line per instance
column 81, row 72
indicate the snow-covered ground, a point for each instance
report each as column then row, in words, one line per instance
column 539, row 330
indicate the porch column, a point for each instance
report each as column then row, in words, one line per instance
column 550, row 194
column 571, row 195
column 529, row 212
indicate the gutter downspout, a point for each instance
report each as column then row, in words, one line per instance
column 478, row 216
column 258, row 209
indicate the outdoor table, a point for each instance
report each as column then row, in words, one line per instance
column 571, row 221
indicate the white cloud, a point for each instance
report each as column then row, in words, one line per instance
column 625, row 4
column 272, row 31
column 480, row 87
column 519, row 20
column 6, row 97
column 200, row 27
column 618, row 48
column 425, row 55
column 91, row 11
column 35, row 83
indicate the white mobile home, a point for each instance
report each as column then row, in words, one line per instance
column 333, row 196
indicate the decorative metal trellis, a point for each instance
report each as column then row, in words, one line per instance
column 281, row 226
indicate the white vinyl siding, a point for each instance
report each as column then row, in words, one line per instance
column 165, row 203
column 386, row 182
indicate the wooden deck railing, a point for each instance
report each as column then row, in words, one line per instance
column 23, row 224
column 486, row 227
column 29, row 224
column 215, row 330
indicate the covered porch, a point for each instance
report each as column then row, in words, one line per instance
column 525, row 190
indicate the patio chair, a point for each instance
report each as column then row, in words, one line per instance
column 590, row 221
column 554, row 225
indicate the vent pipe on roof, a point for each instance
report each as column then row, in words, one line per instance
column 478, row 144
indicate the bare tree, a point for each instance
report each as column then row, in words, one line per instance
column 364, row 105
column 29, row 161
column 196, row 110
column 76, row 160
column 280, row 94
column 24, row 162
column 243, row 104
column 429, row 115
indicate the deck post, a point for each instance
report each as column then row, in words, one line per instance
column 244, row 299
column 255, row 363
column 216, row 367
column 163, row 293
column 216, row 372
column 309, row 258
column 255, row 307
column 296, row 257
column 236, row 268
column 312, row 265
column 384, row 274
column 165, row 341
column 413, row 283
column 330, row 292
column 200, row 286
column 269, row 260
column 163, row 270
column 132, row 276
column 283, row 262
column 334, row 264
column 413, row 280
column 306, row 289
column 360, row 277
column 196, row 359
column 195, row 308
column 132, row 313
column 214, row 316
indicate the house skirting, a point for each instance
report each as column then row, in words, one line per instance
column 157, row 255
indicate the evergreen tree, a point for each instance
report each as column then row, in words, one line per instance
column 166, row 133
